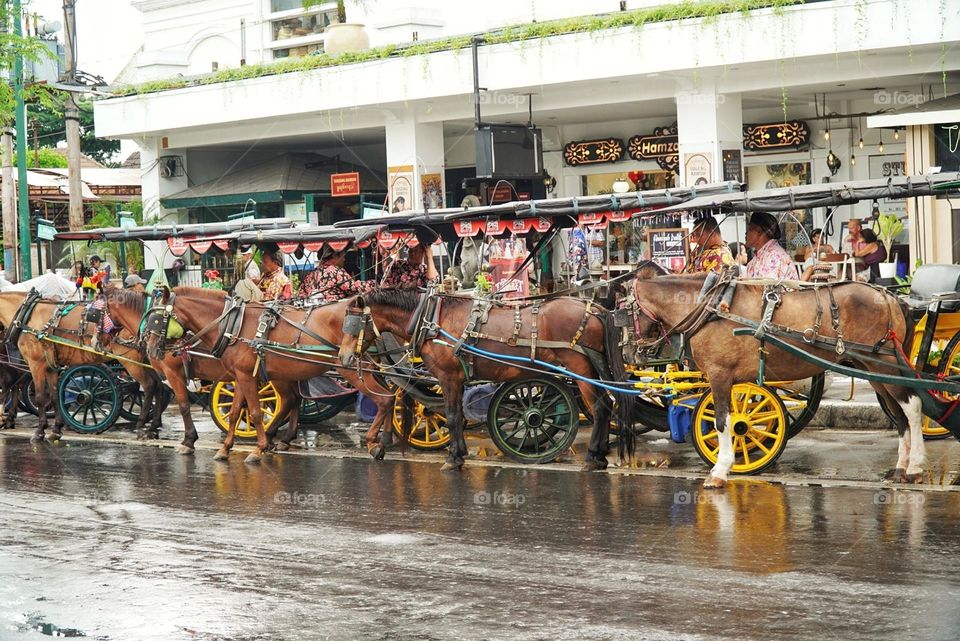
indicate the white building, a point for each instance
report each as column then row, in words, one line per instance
column 412, row 116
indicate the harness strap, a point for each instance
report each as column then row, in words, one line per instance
column 534, row 313
column 583, row 324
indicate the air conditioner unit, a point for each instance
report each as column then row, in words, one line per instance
column 170, row 166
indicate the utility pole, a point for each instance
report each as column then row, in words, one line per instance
column 72, row 117
column 23, row 189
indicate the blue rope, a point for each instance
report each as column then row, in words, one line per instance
column 556, row 368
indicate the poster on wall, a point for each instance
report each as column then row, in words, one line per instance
column 732, row 166
column 432, row 188
column 400, row 182
column 697, row 168
column 669, row 248
column 887, row 166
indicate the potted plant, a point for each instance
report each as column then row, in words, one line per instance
column 342, row 36
column 888, row 228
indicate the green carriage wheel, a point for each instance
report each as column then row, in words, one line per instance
column 89, row 399
column 533, row 420
column 322, row 409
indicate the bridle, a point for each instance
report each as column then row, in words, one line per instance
column 355, row 323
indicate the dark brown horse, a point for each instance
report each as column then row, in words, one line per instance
column 44, row 358
column 867, row 318
column 127, row 309
column 313, row 331
column 563, row 325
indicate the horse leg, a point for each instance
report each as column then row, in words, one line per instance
column 236, row 406
column 157, row 405
column 249, row 388
column 914, row 435
column 148, row 384
column 721, row 405
column 294, row 425
column 599, row 445
column 40, row 373
column 453, row 400
column 182, row 394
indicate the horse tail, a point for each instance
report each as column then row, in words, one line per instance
column 618, row 374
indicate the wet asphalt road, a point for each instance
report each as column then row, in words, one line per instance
column 121, row 542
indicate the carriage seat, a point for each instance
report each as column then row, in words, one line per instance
column 931, row 281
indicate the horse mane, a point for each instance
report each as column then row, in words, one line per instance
column 128, row 298
column 201, row 292
column 647, row 266
column 405, row 299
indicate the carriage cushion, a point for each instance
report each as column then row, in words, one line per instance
column 930, row 280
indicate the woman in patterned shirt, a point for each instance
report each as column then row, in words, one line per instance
column 274, row 284
column 771, row 260
column 414, row 272
column 330, row 282
column 711, row 254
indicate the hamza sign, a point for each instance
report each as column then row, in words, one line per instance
column 345, row 184
column 662, row 146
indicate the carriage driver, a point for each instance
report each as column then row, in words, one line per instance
column 330, row 282
column 711, row 253
column 274, row 284
column 417, row 269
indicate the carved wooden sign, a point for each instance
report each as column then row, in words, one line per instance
column 663, row 146
column 591, row 152
column 793, row 134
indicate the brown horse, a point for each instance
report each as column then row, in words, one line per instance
column 127, row 309
column 44, row 358
column 311, row 331
column 868, row 319
column 564, row 327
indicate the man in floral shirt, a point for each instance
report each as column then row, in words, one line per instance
column 711, row 253
column 330, row 282
column 771, row 260
column 577, row 254
column 274, row 284
column 414, row 272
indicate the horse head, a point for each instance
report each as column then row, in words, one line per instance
column 160, row 323
column 355, row 321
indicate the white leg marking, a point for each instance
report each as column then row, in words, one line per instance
column 917, row 449
column 725, row 455
column 903, row 451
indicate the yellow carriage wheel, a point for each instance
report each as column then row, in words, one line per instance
column 428, row 428
column 221, row 398
column 949, row 367
column 759, row 424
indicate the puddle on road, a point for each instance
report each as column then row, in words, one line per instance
column 393, row 539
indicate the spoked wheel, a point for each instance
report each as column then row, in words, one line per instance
column 932, row 431
column 221, row 398
column 131, row 400
column 317, row 410
column 949, row 367
column 759, row 423
column 28, row 400
column 533, row 421
column 801, row 399
column 428, row 426
column 88, row 398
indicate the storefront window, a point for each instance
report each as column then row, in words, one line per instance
column 296, row 52
column 285, row 5
column 623, row 242
column 300, row 26
column 946, row 146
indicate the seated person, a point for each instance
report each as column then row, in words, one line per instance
column 872, row 253
column 817, row 244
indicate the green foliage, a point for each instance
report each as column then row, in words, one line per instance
column 46, row 157
column 888, row 228
column 51, row 128
column 708, row 10
column 105, row 215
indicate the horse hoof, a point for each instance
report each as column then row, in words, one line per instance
column 378, row 453
column 899, row 475
column 594, row 465
column 221, row 456
column 184, row 449
column 713, row 483
column 450, row 467
column 914, row 478
column 253, row 458
column 281, row 446
column 54, row 437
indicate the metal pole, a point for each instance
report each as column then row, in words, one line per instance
column 23, row 189
column 71, row 115
column 123, row 251
column 474, row 49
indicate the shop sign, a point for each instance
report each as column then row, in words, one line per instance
column 793, row 134
column 591, row 152
column 732, row 165
column 668, row 248
column 347, row 184
column 663, row 146
column 45, row 230
column 697, row 168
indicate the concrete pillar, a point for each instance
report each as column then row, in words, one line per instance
column 154, row 185
column 415, row 165
column 709, row 124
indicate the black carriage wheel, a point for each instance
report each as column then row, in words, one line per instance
column 88, row 397
column 801, row 407
column 28, row 400
column 534, row 420
column 322, row 409
column 131, row 400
